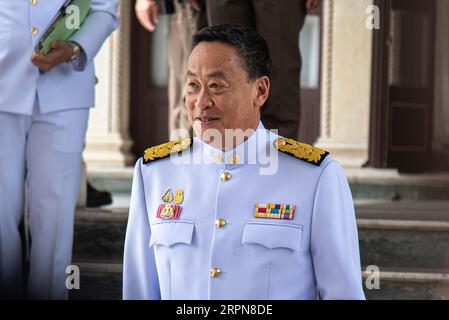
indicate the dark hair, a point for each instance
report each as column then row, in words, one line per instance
column 251, row 47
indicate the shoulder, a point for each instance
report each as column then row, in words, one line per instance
column 302, row 151
column 165, row 150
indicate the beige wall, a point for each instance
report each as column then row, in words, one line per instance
column 107, row 138
column 346, row 87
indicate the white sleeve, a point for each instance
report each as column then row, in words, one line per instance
column 140, row 279
column 334, row 239
column 99, row 24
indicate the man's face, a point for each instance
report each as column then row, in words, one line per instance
column 219, row 94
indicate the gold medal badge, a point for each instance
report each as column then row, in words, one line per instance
column 169, row 210
column 179, row 196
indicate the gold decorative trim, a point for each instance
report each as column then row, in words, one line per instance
column 164, row 150
column 301, row 150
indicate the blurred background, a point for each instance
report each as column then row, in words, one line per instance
column 377, row 99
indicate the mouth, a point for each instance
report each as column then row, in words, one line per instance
column 206, row 120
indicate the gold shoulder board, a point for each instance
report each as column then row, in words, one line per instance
column 301, row 150
column 164, row 150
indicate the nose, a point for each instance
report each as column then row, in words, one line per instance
column 204, row 100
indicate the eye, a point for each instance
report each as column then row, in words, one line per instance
column 192, row 86
column 214, row 86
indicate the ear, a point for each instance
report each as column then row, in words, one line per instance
column 262, row 91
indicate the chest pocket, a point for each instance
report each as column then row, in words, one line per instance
column 272, row 235
column 169, row 233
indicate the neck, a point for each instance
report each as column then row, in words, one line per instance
column 235, row 137
column 232, row 138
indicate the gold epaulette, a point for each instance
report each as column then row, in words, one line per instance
column 164, row 150
column 301, row 150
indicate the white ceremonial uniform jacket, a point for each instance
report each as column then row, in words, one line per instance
column 65, row 87
column 213, row 246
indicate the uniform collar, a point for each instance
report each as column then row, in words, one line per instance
column 245, row 153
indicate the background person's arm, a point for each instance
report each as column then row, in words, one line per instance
column 312, row 5
column 147, row 12
column 100, row 23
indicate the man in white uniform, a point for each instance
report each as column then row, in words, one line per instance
column 212, row 219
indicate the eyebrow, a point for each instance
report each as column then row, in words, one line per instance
column 216, row 74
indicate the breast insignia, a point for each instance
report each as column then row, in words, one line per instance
column 164, row 150
column 168, row 196
column 275, row 211
column 301, row 150
column 179, row 196
column 168, row 210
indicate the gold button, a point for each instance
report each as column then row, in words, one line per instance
column 215, row 272
column 34, row 31
column 220, row 223
column 235, row 159
column 225, row 176
column 218, row 159
column 33, row 2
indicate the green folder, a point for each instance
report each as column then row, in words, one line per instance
column 61, row 27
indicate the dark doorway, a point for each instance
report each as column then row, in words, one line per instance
column 149, row 73
column 310, row 45
column 403, row 85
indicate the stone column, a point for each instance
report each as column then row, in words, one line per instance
column 346, row 81
column 107, row 141
column 441, row 105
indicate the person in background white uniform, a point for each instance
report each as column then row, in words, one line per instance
column 44, row 108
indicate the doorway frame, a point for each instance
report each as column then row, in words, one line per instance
column 380, row 121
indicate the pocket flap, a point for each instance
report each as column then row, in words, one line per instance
column 168, row 233
column 273, row 235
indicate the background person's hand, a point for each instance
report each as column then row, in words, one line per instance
column 60, row 52
column 147, row 12
column 312, row 5
column 195, row 4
